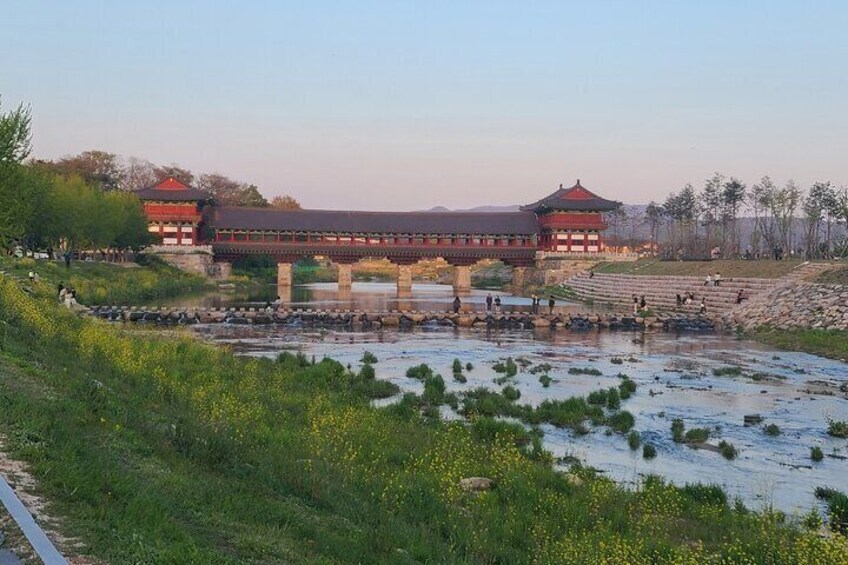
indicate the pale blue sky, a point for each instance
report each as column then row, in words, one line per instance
column 406, row 105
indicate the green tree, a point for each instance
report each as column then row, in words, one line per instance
column 16, row 194
column 250, row 196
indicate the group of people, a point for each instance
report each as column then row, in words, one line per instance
column 536, row 302
column 67, row 296
column 271, row 307
column 639, row 304
column 714, row 281
column 496, row 302
column 688, row 298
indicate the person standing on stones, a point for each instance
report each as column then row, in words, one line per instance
column 457, row 304
column 679, row 300
column 497, row 305
column 551, row 304
column 708, row 280
column 703, row 308
column 635, row 304
column 643, row 305
column 489, row 303
column 717, row 279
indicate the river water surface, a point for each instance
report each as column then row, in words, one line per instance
column 674, row 374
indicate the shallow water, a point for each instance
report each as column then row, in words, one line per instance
column 675, row 379
column 367, row 296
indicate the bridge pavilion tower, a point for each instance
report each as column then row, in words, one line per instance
column 174, row 211
column 571, row 220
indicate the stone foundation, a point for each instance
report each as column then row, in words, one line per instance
column 196, row 259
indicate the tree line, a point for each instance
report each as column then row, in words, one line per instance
column 111, row 173
column 87, row 201
column 780, row 220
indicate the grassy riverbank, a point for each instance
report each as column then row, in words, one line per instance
column 160, row 450
column 728, row 268
column 827, row 343
column 111, row 283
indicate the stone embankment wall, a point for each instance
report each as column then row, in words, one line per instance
column 196, row 259
column 795, row 305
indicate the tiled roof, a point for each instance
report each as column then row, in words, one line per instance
column 473, row 223
column 576, row 198
column 172, row 190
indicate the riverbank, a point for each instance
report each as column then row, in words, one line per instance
column 159, row 449
column 827, row 343
column 111, row 283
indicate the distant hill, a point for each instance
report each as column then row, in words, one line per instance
column 477, row 209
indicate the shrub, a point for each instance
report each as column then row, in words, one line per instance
column 812, row 520
column 584, row 371
column 705, row 494
column 367, row 372
column 613, row 399
column 837, row 504
column 419, row 372
column 469, row 366
column 649, row 451
column 772, row 430
column 727, row 371
column 626, row 388
column 545, row 380
column 369, row 357
column 621, row 421
column 457, row 366
column 434, row 390
column 634, row 440
column 488, row 429
column 677, row 428
column 816, row 453
column 597, row 397
column 617, row 361
column 511, row 367
column 697, row 435
column 299, row 360
column 837, row 428
column 541, row 368
column 728, row 451
column 511, row 393
column 460, row 378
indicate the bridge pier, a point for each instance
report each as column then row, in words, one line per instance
column 462, row 279
column 284, row 274
column 345, row 276
column 518, row 276
column 404, row 281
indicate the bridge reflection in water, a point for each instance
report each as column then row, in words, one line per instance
column 367, row 297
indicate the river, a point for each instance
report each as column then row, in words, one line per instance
column 674, row 374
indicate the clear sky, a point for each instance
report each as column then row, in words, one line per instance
column 407, row 105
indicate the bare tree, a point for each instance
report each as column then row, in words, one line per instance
column 137, row 174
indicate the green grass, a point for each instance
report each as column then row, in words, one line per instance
column 121, row 284
column 168, row 450
column 836, row 275
column 837, row 428
column 728, row 268
column 827, row 343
